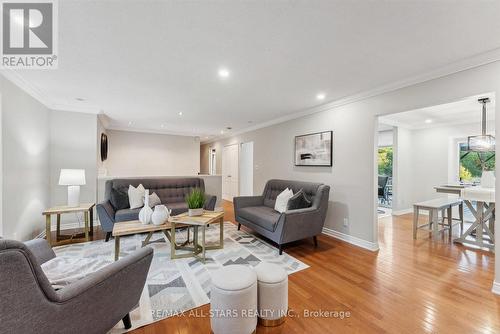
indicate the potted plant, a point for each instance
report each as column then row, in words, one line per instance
column 195, row 201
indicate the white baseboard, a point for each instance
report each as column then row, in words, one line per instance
column 496, row 288
column 371, row 246
column 402, row 212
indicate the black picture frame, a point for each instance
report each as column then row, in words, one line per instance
column 327, row 163
column 104, row 146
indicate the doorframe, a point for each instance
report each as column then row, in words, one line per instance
column 238, row 168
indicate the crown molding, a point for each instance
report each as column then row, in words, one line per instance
column 459, row 66
column 145, row 130
column 27, row 87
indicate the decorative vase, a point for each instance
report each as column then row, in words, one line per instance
column 146, row 212
column 195, row 212
column 488, row 179
column 160, row 215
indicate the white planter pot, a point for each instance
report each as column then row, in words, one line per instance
column 195, row 212
column 160, row 215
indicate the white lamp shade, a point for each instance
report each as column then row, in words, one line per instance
column 72, row 177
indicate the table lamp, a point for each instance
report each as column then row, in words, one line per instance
column 73, row 178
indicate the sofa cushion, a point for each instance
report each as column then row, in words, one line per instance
column 177, row 208
column 136, row 196
column 298, row 201
column 119, row 199
column 127, row 215
column 262, row 216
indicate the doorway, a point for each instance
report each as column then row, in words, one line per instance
column 246, row 169
column 230, row 184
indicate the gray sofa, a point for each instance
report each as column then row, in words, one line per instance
column 92, row 305
column 257, row 212
column 172, row 192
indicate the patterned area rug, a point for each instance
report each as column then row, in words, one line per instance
column 175, row 286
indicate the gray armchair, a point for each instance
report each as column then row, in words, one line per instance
column 94, row 304
column 257, row 212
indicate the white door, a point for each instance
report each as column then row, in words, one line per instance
column 246, row 169
column 230, row 172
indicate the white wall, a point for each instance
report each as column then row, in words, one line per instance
column 25, row 162
column 72, row 145
column 147, row 154
column 385, row 138
column 402, row 183
column 427, row 158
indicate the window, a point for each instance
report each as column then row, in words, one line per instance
column 385, row 161
column 472, row 164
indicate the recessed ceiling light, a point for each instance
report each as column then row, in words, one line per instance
column 320, row 96
column 428, row 121
column 129, row 123
column 223, row 73
column 180, row 113
column 163, row 125
column 221, row 132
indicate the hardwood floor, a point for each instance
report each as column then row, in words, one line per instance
column 408, row 286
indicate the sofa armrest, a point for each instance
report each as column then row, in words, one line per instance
column 106, row 213
column 210, row 201
column 127, row 272
column 300, row 223
column 41, row 249
column 245, row 201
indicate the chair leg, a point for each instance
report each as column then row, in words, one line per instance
column 315, row 239
column 281, row 249
column 239, row 226
column 127, row 322
column 108, row 235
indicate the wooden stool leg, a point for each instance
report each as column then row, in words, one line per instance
column 450, row 222
column 461, row 214
column 434, row 218
column 415, row 221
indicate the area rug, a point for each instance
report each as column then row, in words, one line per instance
column 176, row 286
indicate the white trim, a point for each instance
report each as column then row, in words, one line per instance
column 496, row 288
column 371, row 246
column 402, row 212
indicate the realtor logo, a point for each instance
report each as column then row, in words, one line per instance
column 29, row 34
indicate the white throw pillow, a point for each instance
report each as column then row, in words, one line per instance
column 136, row 196
column 154, row 200
column 282, row 200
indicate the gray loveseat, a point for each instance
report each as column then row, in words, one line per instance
column 257, row 212
column 92, row 305
column 172, row 192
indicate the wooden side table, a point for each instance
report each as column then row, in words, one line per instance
column 88, row 214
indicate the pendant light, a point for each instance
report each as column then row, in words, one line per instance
column 482, row 142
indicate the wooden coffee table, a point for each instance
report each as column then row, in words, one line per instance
column 197, row 222
column 169, row 229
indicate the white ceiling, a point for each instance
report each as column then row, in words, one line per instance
column 465, row 111
column 145, row 61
